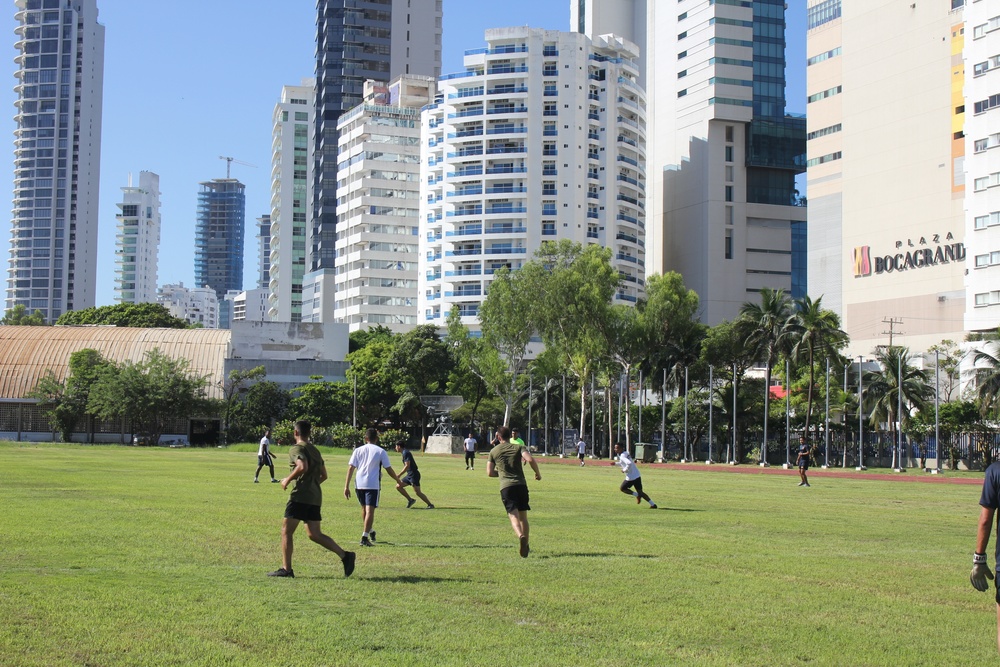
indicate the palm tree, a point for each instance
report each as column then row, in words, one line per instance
column 882, row 389
column 987, row 365
column 815, row 330
column 770, row 334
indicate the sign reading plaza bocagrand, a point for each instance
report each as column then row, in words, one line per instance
column 942, row 252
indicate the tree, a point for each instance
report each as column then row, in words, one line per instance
column 769, row 332
column 883, row 390
column 987, row 367
column 65, row 403
column 422, row 362
column 236, row 382
column 150, row 393
column 372, row 370
column 142, row 315
column 18, row 316
column 324, row 403
column 264, row 404
column 464, row 380
column 627, row 341
column 949, row 359
column 815, row 330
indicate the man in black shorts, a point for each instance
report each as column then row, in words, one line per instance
column 308, row 473
column 506, row 462
column 989, row 501
column 802, row 460
column 409, row 476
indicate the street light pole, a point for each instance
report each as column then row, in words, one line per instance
column 826, row 431
column 937, row 423
column 899, row 412
column 684, row 457
column 788, row 404
column 710, row 385
column 734, row 415
column 861, row 421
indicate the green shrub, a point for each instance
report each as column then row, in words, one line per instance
column 344, row 435
column 389, row 437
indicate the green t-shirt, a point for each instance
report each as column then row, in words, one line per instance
column 509, row 465
column 307, row 489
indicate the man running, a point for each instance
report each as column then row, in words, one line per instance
column 632, row 478
column 264, row 457
column 505, row 462
column 410, row 476
column 368, row 460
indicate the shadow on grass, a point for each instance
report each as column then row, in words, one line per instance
column 678, row 509
column 442, row 546
column 408, row 579
column 597, row 554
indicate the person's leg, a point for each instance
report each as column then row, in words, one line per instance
column 270, row 467
column 516, row 524
column 259, row 466
column 368, row 513
column 420, row 494
column 522, row 520
column 998, row 625
column 316, row 535
column 288, row 527
column 401, row 487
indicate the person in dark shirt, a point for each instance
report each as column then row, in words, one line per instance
column 410, row 476
column 989, row 501
column 505, row 462
column 802, row 460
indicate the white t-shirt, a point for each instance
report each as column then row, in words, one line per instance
column 265, row 446
column 470, row 444
column 628, row 466
column 368, row 460
column 581, row 447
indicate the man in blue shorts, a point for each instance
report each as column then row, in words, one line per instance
column 505, row 462
column 802, row 460
column 368, row 460
column 308, row 472
column 410, row 476
column 989, row 501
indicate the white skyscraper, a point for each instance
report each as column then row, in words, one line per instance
column 379, row 205
column 197, row 305
column 291, row 202
column 138, row 240
column 541, row 138
column 57, row 156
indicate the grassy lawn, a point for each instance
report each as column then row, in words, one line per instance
column 130, row 556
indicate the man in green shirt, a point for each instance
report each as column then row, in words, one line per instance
column 308, row 473
column 506, row 462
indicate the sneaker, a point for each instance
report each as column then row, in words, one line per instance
column 256, row 481
column 653, row 506
column 802, row 484
column 365, row 542
column 282, row 572
column 808, row 484
column 524, row 546
column 371, row 536
column 410, row 503
column 274, row 481
column 638, row 500
column 429, row 506
column 466, row 467
column 348, row 561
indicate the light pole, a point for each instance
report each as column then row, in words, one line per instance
column 767, row 409
column 684, row 458
column 899, row 412
column 545, row 426
column 826, row 430
column 529, row 411
column 641, row 405
column 788, row 398
column 861, row 421
column 937, row 423
column 710, row 383
column 733, row 461
column 354, row 417
column 562, row 445
column 663, row 417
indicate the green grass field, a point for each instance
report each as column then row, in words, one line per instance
column 131, row 556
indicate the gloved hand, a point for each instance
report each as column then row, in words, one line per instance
column 980, row 573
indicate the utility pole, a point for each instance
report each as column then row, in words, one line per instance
column 892, row 322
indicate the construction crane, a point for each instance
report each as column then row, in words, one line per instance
column 231, row 160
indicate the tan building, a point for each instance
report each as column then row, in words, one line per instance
column 886, row 177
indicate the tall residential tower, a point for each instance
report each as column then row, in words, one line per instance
column 218, row 243
column 138, row 240
column 57, row 156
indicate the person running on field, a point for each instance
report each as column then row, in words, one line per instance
column 410, row 476
column 632, row 478
column 368, row 460
column 308, row 473
column 506, row 462
column 470, row 452
column 989, row 501
column 264, row 457
column 802, row 460
column 581, row 451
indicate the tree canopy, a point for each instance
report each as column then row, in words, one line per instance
column 141, row 315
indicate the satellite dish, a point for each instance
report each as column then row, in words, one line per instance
column 441, row 407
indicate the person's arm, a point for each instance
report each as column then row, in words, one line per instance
column 392, row 473
column 491, row 469
column 347, row 482
column 301, row 467
column 529, row 459
column 980, row 567
column 322, row 474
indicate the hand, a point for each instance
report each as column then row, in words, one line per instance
column 284, row 484
column 347, row 492
column 980, row 573
column 538, row 476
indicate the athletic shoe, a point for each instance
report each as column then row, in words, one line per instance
column 371, row 536
column 638, row 500
column 524, row 546
column 429, row 506
column 348, row 560
column 466, row 467
column 410, row 503
column 802, row 484
column 808, row 484
column 274, row 481
column 365, row 542
column 282, row 572
column 653, row 506
column 256, row 481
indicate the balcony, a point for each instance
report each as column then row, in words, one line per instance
column 506, row 250
column 464, row 252
column 506, row 69
column 462, row 212
column 507, row 109
column 506, row 169
column 506, row 90
column 472, row 230
column 472, row 290
column 505, row 189
column 506, row 130
column 464, row 272
column 505, row 208
column 506, row 229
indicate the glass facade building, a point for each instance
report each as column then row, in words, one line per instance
column 218, row 241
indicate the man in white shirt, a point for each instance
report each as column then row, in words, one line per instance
column 581, row 449
column 264, row 457
column 470, row 452
column 632, row 478
column 368, row 460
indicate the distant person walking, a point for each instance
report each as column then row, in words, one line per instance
column 506, row 462
column 368, row 460
column 989, row 501
column 470, row 452
column 410, row 476
column 802, row 460
column 581, row 451
column 264, row 457
column 308, row 473
column 633, row 481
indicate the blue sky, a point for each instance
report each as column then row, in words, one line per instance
column 189, row 80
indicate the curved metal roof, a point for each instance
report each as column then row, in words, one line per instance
column 26, row 353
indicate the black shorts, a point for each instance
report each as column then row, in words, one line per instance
column 580, row 456
column 367, row 497
column 302, row 511
column 636, row 484
column 998, row 595
column 804, row 465
column 411, row 478
column 515, row 498
column 470, row 455
column 264, row 461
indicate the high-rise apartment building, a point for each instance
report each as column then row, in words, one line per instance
column 982, row 164
column 57, row 156
column 722, row 154
column 197, row 305
column 378, row 213
column 291, row 205
column 886, row 174
column 248, row 306
column 357, row 40
column 263, row 251
column 137, row 242
column 218, row 242
column 541, row 138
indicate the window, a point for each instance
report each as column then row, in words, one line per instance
column 830, row 157
column 729, row 193
column 828, row 10
column 981, row 30
column 729, row 133
column 729, row 173
column 830, row 92
column 988, row 220
column 729, row 215
column 832, row 53
column 991, row 102
column 729, row 244
column 987, row 181
column 729, row 153
column 825, row 131
column 981, row 68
